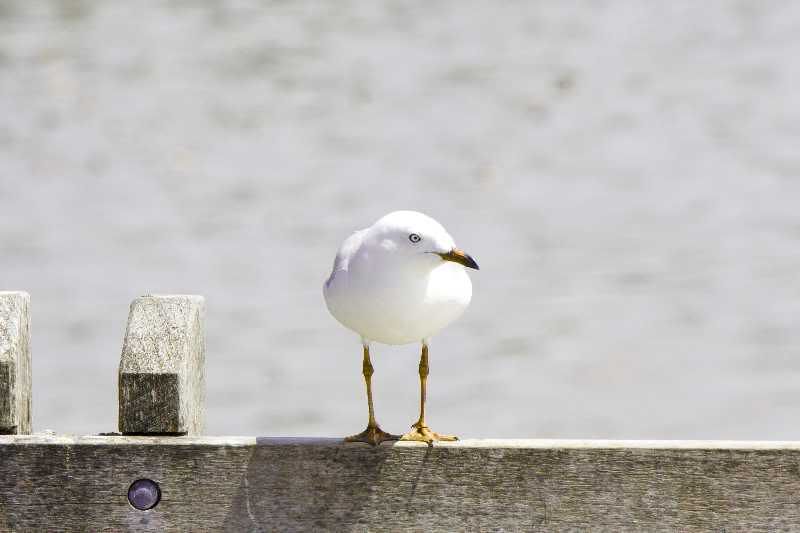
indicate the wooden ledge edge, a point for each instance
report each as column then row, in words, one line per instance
column 533, row 444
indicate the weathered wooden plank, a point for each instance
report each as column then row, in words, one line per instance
column 15, row 363
column 161, row 371
column 273, row 484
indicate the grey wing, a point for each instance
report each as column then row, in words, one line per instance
column 346, row 251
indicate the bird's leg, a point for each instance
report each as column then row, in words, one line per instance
column 373, row 434
column 424, row 370
column 420, row 430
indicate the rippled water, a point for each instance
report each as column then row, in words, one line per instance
column 626, row 175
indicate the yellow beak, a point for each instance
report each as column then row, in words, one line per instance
column 461, row 257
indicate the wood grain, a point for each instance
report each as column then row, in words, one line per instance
column 275, row 484
column 161, row 371
column 15, row 363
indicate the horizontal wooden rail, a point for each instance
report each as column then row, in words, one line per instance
column 293, row 484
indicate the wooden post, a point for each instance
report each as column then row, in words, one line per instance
column 161, row 371
column 15, row 363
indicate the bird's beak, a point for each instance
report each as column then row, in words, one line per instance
column 459, row 256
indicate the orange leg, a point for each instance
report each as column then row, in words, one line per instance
column 420, row 430
column 373, row 434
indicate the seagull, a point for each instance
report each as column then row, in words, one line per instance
column 399, row 281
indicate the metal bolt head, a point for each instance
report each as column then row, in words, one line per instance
column 144, row 494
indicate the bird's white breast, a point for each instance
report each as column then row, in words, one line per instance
column 392, row 305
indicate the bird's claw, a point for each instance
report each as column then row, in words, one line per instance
column 372, row 435
column 422, row 433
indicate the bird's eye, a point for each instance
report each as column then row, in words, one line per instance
column 415, row 238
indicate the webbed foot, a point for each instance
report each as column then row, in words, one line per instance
column 372, row 435
column 422, row 433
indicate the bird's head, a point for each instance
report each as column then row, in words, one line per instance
column 414, row 237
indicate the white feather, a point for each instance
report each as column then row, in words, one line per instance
column 390, row 290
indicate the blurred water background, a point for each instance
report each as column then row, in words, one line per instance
column 626, row 174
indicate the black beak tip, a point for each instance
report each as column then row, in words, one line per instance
column 471, row 263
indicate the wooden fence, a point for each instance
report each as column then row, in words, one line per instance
column 161, row 474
